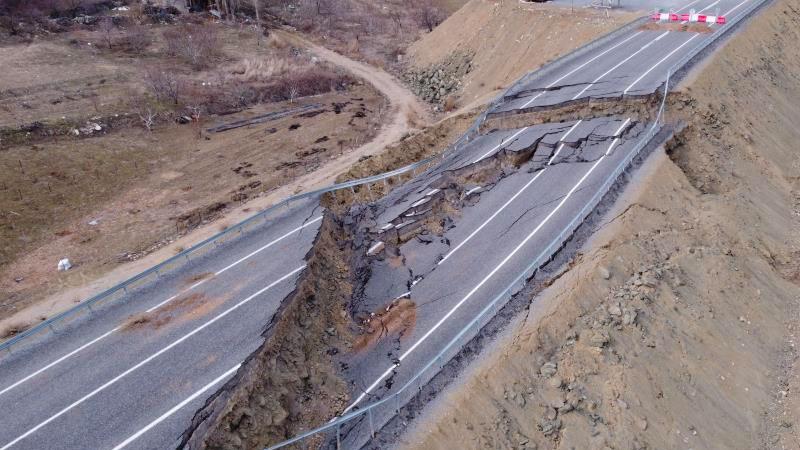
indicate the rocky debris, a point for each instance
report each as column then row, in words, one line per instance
column 434, row 83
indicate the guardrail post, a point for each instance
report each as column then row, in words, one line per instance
column 371, row 425
column 338, row 438
column 397, row 403
column 369, row 192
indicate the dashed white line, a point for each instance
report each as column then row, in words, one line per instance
column 83, row 347
column 563, row 138
column 658, row 63
column 502, row 141
column 579, row 68
column 658, row 38
column 57, row 361
column 508, row 202
column 148, row 359
column 177, row 407
column 269, row 245
column 735, row 8
column 489, row 276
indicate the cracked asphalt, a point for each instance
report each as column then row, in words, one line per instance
column 125, row 377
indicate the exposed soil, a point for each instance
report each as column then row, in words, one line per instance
column 291, row 382
column 508, row 39
column 331, row 142
column 677, row 325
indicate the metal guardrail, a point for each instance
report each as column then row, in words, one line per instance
column 490, row 310
column 155, row 272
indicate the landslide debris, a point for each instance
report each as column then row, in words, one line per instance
column 291, row 383
column 436, row 81
column 676, row 327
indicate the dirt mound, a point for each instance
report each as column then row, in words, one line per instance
column 676, row 327
column 508, row 38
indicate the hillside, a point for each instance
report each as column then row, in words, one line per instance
column 676, row 326
column 508, row 39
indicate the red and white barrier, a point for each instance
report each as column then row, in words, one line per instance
column 701, row 18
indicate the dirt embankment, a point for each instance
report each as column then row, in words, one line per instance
column 675, row 327
column 506, row 40
column 291, row 383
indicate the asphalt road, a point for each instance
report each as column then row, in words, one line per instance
column 133, row 372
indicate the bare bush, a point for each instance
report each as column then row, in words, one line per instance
column 107, row 30
column 146, row 111
column 196, row 44
column 135, row 40
column 163, row 85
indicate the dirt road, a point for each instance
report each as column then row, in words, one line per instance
column 405, row 114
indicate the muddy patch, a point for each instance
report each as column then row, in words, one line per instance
column 183, row 309
column 397, row 319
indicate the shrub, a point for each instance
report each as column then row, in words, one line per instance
column 163, row 85
column 196, row 44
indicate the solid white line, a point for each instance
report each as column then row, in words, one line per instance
column 735, row 8
column 656, row 64
column 57, row 361
column 270, row 244
column 555, row 155
column 475, row 231
column 157, row 306
column 616, row 136
column 177, row 407
column 508, row 202
column 620, row 63
column 478, row 286
column 502, row 141
column 148, row 359
column 708, row 7
column 579, row 68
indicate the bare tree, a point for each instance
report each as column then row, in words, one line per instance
column 259, row 32
column 195, row 112
column 293, row 92
column 194, row 43
column 164, row 86
column 107, row 29
column 428, row 15
column 10, row 13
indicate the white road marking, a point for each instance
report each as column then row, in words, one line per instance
column 148, row 359
column 270, row 244
column 616, row 136
column 657, row 64
column 177, row 407
column 563, row 138
column 508, row 202
column 658, row 38
column 578, row 68
column 56, row 361
column 489, row 276
column 502, row 141
column 688, row 5
column 735, row 8
column 83, row 347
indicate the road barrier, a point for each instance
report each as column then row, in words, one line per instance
column 154, row 273
column 701, row 18
column 414, row 385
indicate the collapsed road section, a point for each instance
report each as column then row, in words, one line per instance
column 424, row 261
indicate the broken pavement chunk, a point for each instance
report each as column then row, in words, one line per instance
column 376, row 248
